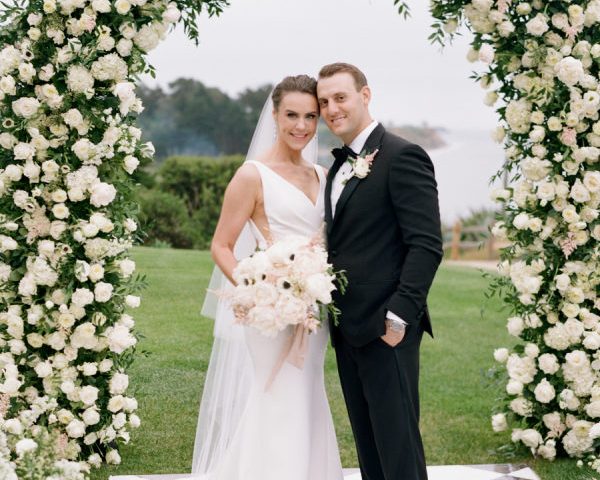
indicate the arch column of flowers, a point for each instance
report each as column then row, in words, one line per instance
column 69, row 149
column 542, row 73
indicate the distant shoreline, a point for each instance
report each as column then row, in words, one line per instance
column 430, row 138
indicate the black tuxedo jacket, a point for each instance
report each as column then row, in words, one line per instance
column 386, row 236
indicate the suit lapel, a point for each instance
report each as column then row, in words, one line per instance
column 372, row 143
column 328, row 184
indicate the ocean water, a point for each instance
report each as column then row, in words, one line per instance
column 463, row 169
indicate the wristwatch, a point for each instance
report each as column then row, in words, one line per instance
column 395, row 325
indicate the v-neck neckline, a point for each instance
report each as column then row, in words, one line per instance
column 302, row 192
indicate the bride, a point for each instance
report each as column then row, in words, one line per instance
column 249, row 427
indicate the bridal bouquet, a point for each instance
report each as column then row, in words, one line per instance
column 285, row 285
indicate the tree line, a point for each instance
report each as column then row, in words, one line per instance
column 191, row 118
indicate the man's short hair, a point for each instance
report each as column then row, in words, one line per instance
column 333, row 68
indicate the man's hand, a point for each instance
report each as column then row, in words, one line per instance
column 393, row 337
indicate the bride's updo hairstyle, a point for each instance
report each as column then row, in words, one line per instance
column 297, row 83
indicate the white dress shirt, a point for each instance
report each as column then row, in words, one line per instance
column 344, row 174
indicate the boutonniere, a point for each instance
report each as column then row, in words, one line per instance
column 361, row 165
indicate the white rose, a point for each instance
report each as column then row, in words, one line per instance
column 122, row 6
column 501, row 355
column 75, row 429
column 514, row 387
column 13, row 172
column 103, row 292
column 521, row 406
column 7, row 140
column 84, row 336
column 486, row 53
column 35, row 340
column 60, row 211
column 102, row 194
column 88, row 395
column 532, row 350
column 105, row 365
column 499, row 423
column 26, row 107
column 14, row 426
column 132, row 301
column 531, row 438
column 118, row 383
column 130, row 163
column 116, row 403
column 130, row 225
column 591, row 181
column 89, row 369
column 127, row 267
column 90, row 230
column 568, row 400
column 538, row 25
column 521, row 221
column 73, row 118
column 548, row 363
column 134, row 421
column 172, row 15
column 119, row 338
column 79, row 79
column 593, row 409
column 124, row 47
column 23, row 151
column 579, row 192
column 128, row 30
column 147, row 38
column 544, row 392
column 515, row 326
column 94, row 272
column 91, row 416
column 43, row 369
column 113, row 457
column 8, row 85
column 569, row 71
column 101, row 6
column 84, row 149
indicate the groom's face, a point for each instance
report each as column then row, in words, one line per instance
column 344, row 108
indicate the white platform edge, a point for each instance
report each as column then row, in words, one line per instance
column 437, row 472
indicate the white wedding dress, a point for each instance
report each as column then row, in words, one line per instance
column 285, row 432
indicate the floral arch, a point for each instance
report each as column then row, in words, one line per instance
column 69, row 149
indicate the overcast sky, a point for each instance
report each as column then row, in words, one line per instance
column 260, row 41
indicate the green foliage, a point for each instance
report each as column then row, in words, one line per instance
column 192, row 190
column 191, row 11
column 164, row 218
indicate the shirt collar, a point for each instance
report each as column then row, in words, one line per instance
column 359, row 142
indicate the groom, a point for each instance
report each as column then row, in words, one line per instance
column 383, row 230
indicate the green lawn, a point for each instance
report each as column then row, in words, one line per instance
column 455, row 401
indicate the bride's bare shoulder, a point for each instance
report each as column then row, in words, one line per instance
column 246, row 177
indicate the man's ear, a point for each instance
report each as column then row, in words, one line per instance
column 365, row 92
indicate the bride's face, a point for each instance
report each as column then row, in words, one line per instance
column 296, row 119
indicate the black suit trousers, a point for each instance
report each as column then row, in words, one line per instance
column 381, row 388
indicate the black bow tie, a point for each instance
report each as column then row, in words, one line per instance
column 344, row 152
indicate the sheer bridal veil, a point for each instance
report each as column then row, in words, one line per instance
column 229, row 374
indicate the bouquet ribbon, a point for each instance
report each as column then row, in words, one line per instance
column 294, row 352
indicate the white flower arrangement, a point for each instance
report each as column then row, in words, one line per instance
column 284, row 285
